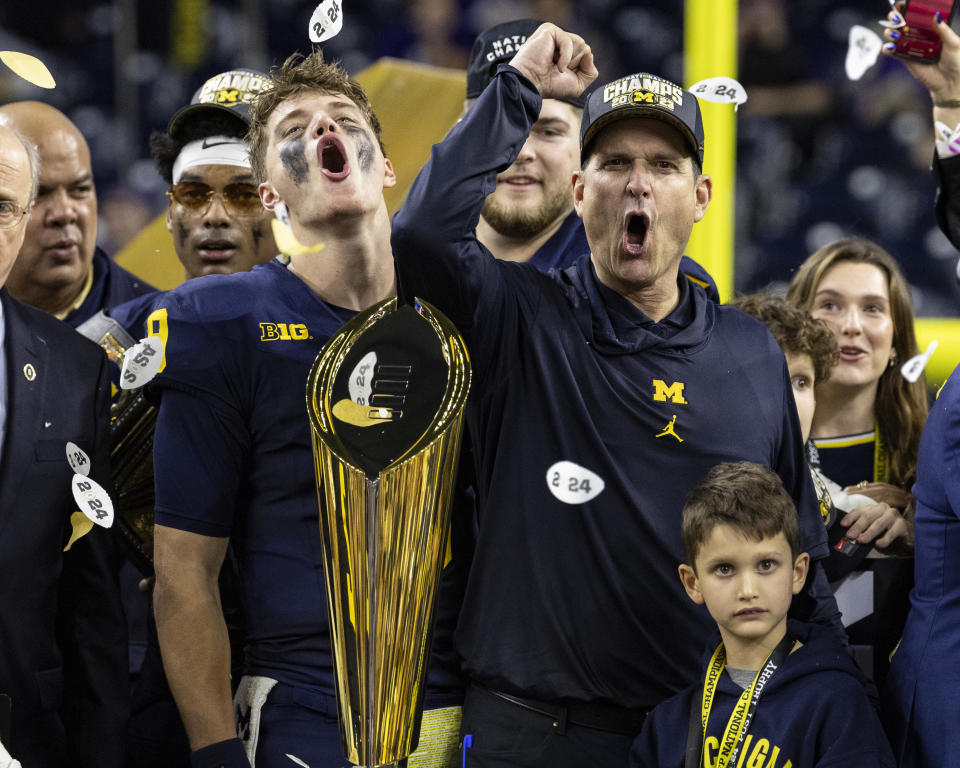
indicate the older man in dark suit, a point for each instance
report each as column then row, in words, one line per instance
column 63, row 671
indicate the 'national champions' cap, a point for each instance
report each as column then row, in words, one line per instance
column 232, row 92
column 643, row 95
column 496, row 46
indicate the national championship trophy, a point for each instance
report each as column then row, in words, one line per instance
column 385, row 398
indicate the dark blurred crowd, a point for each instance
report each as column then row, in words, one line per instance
column 819, row 156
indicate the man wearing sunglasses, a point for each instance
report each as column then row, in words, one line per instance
column 215, row 216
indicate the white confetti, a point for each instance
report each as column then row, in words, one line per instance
column 720, row 90
column 360, row 383
column 912, row 369
column 78, row 459
column 573, row 484
column 327, row 21
column 865, row 45
column 92, row 500
column 141, row 362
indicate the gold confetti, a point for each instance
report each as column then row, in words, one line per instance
column 287, row 241
column 30, row 68
column 82, row 525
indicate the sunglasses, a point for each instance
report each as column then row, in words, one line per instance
column 239, row 199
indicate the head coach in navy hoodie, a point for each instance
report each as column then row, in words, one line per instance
column 603, row 392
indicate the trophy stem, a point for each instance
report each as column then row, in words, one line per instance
column 372, row 499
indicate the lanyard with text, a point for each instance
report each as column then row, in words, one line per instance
column 881, row 459
column 746, row 706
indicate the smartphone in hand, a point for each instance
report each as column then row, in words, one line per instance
column 919, row 40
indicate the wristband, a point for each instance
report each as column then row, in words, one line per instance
column 223, row 754
column 947, row 103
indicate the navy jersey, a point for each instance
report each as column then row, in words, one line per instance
column 112, row 285
column 591, row 423
column 813, row 712
column 847, row 460
column 133, row 314
column 233, row 456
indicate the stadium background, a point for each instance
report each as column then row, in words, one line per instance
column 819, row 156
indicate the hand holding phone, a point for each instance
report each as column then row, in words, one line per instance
column 918, row 40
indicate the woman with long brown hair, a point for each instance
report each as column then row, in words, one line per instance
column 867, row 424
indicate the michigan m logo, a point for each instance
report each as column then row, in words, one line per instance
column 661, row 392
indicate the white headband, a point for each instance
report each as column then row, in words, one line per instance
column 212, row 150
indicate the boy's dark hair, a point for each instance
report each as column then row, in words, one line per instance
column 303, row 74
column 164, row 149
column 746, row 496
column 795, row 330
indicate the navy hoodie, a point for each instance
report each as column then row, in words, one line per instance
column 813, row 712
column 590, row 424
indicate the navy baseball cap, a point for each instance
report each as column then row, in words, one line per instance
column 643, row 95
column 231, row 92
column 496, row 46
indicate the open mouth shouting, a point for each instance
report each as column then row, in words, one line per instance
column 635, row 233
column 333, row 158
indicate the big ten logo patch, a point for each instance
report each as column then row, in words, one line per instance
column 283, row 332
column 662, row 392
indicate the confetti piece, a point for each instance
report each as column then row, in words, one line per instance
column 82, row 525
column 720, row 90
column 93, row 500
column 141, row 362
column 862, row 53
column 287, row 241
column 912, row 369
column 78, row 459
column 326, row 21
column 30, row 68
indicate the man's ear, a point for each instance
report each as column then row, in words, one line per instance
column 800, row 567
column 389, row 177
column 691, row 583
column 704, row 193
column 268, row 195
column 577, row 182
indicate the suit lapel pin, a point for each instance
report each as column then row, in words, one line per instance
column 29, row 372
